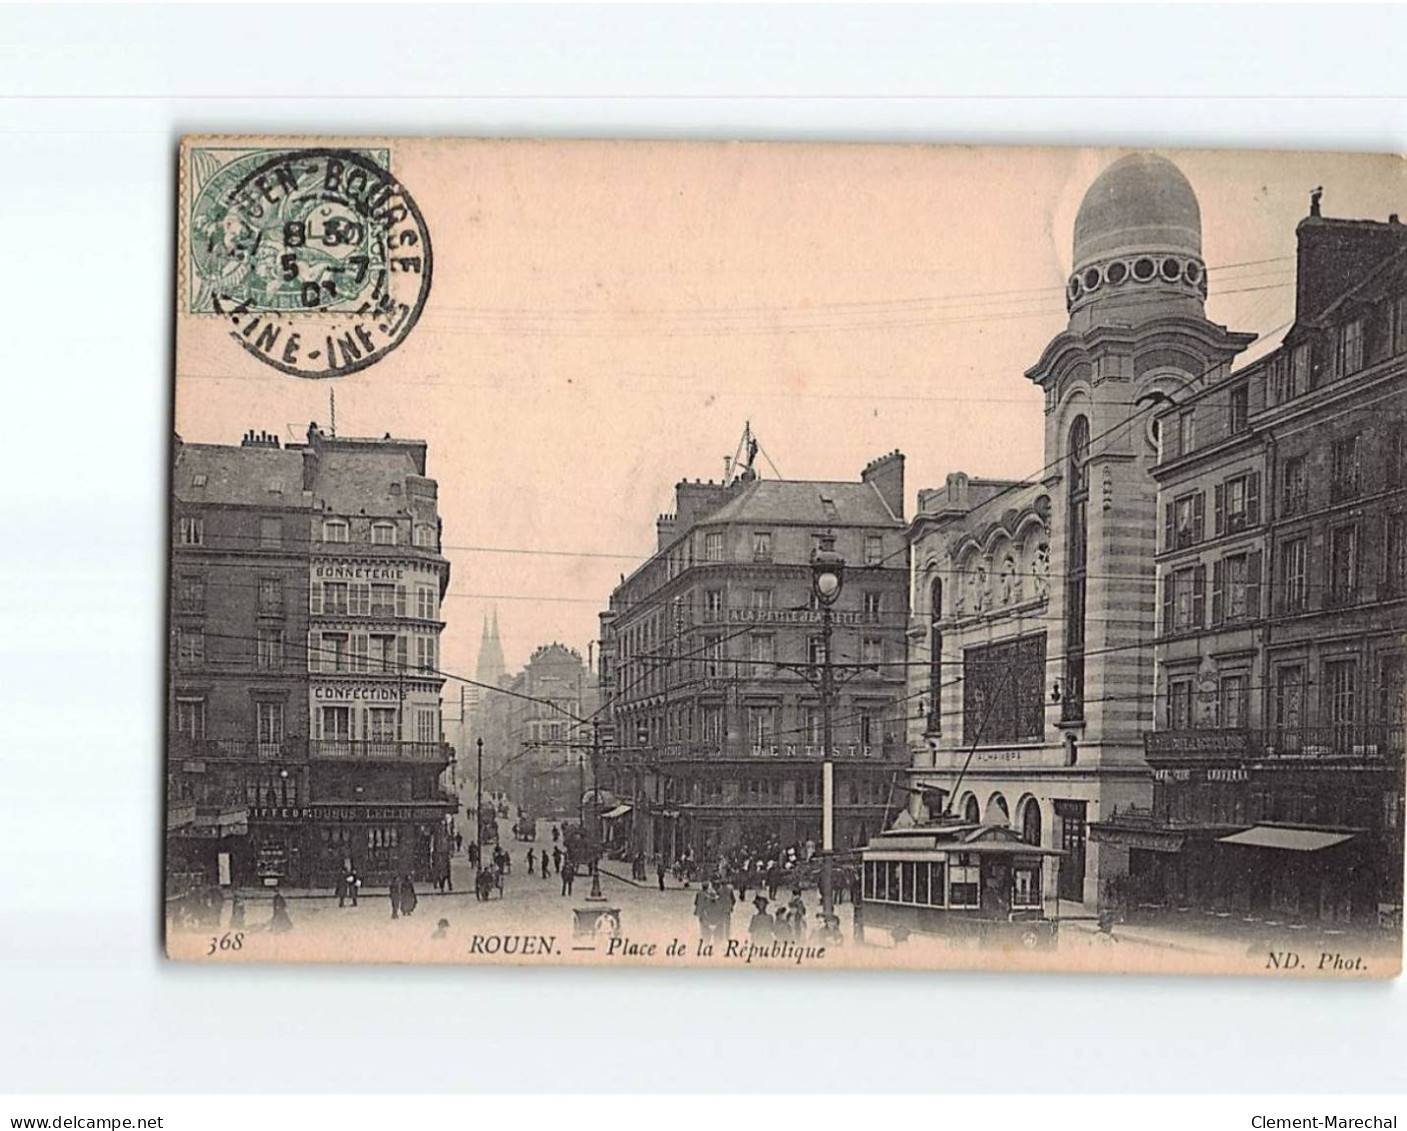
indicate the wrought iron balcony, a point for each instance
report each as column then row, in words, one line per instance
column 377, row 750
column 237, row 749
column 1337, row 740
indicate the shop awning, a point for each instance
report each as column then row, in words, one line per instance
column 618, row 811
column 1295, row 840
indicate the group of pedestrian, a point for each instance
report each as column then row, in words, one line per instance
column 403, row 897
column 788, row 922
column 713, row 908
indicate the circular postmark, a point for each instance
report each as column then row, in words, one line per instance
column 319, row 258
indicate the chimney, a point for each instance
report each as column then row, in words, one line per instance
column 886, row 475
column 694, row 501
column 1333, row 255
column 664, row 528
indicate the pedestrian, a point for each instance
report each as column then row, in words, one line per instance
column 741, row 878
column 395, row 897
column 458, row 841
column 236, row 912
column 544, row 863
column 280, row 923
column 568, row 875
column 408, row 897
column 762, row 928
column 828, row 934
column 441, row 929
column 726, row 903
column 701, row 913
column 796, row 907
column 556, row 854
column 781, row 925
column 446, row 877
column 531, row 865
column 659, row 870
column 341, row 891
column 556, row 834
column 354, row 885
column 772, row 878
column 474, row 854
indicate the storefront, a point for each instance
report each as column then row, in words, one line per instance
column 313, row 845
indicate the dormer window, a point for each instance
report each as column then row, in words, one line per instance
column 198, row 480
column 762, row 545
column 334, row 530
column 383, row 533
column 425, row 536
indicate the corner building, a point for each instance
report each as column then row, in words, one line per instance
column 717, row 735
column 376, row 581
column 1034, row 601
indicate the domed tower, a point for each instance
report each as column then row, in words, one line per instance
column 1138, row 246
column 1138, row 337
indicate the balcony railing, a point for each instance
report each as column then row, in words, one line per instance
column 1343, row 740
column 376, row 750
column 237, row 749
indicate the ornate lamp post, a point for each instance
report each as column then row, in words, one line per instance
column 479, row 810
column 827, row 581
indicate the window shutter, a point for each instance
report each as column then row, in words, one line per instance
column 1199, row 596
column 1253, row 499
column 1219, row 509
column 1169, row 586
column 400, row 600
column 315, row 598
column 1169, row 535
column 1253, row 584
column 1199, row 516
column 401, row 652
column 1218, row 585
column 315, row 651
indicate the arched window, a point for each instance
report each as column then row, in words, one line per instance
column 1077, row 563
column 1031, row 822
column 997, row 811
column 970, row 811
column 935, row 656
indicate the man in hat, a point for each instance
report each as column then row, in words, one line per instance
column 762, row 928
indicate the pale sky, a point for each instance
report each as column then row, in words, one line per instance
column 605, row 316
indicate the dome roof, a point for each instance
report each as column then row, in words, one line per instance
column 1140, row 203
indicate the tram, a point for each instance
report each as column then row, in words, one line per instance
column 969, row 883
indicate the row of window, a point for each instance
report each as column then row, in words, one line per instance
column 931, row 884
column 338, row 530
column 333, row 722
column 1235, row 595
column 373, row 599
column 1236, row 507
column 1362, row 341
column 190, row 531
column 270, row 652
column 372, row 652
column 801, row 790
column 1340, row 698
column 863, row 726
column 191, row 594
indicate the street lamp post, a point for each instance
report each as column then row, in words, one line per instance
column 479, row 809
column 827, row 580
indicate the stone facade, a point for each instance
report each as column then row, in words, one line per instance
column 1034, row 602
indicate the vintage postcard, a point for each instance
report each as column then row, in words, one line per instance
column 778, row 556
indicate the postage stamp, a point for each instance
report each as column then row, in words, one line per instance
column 318, row 258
